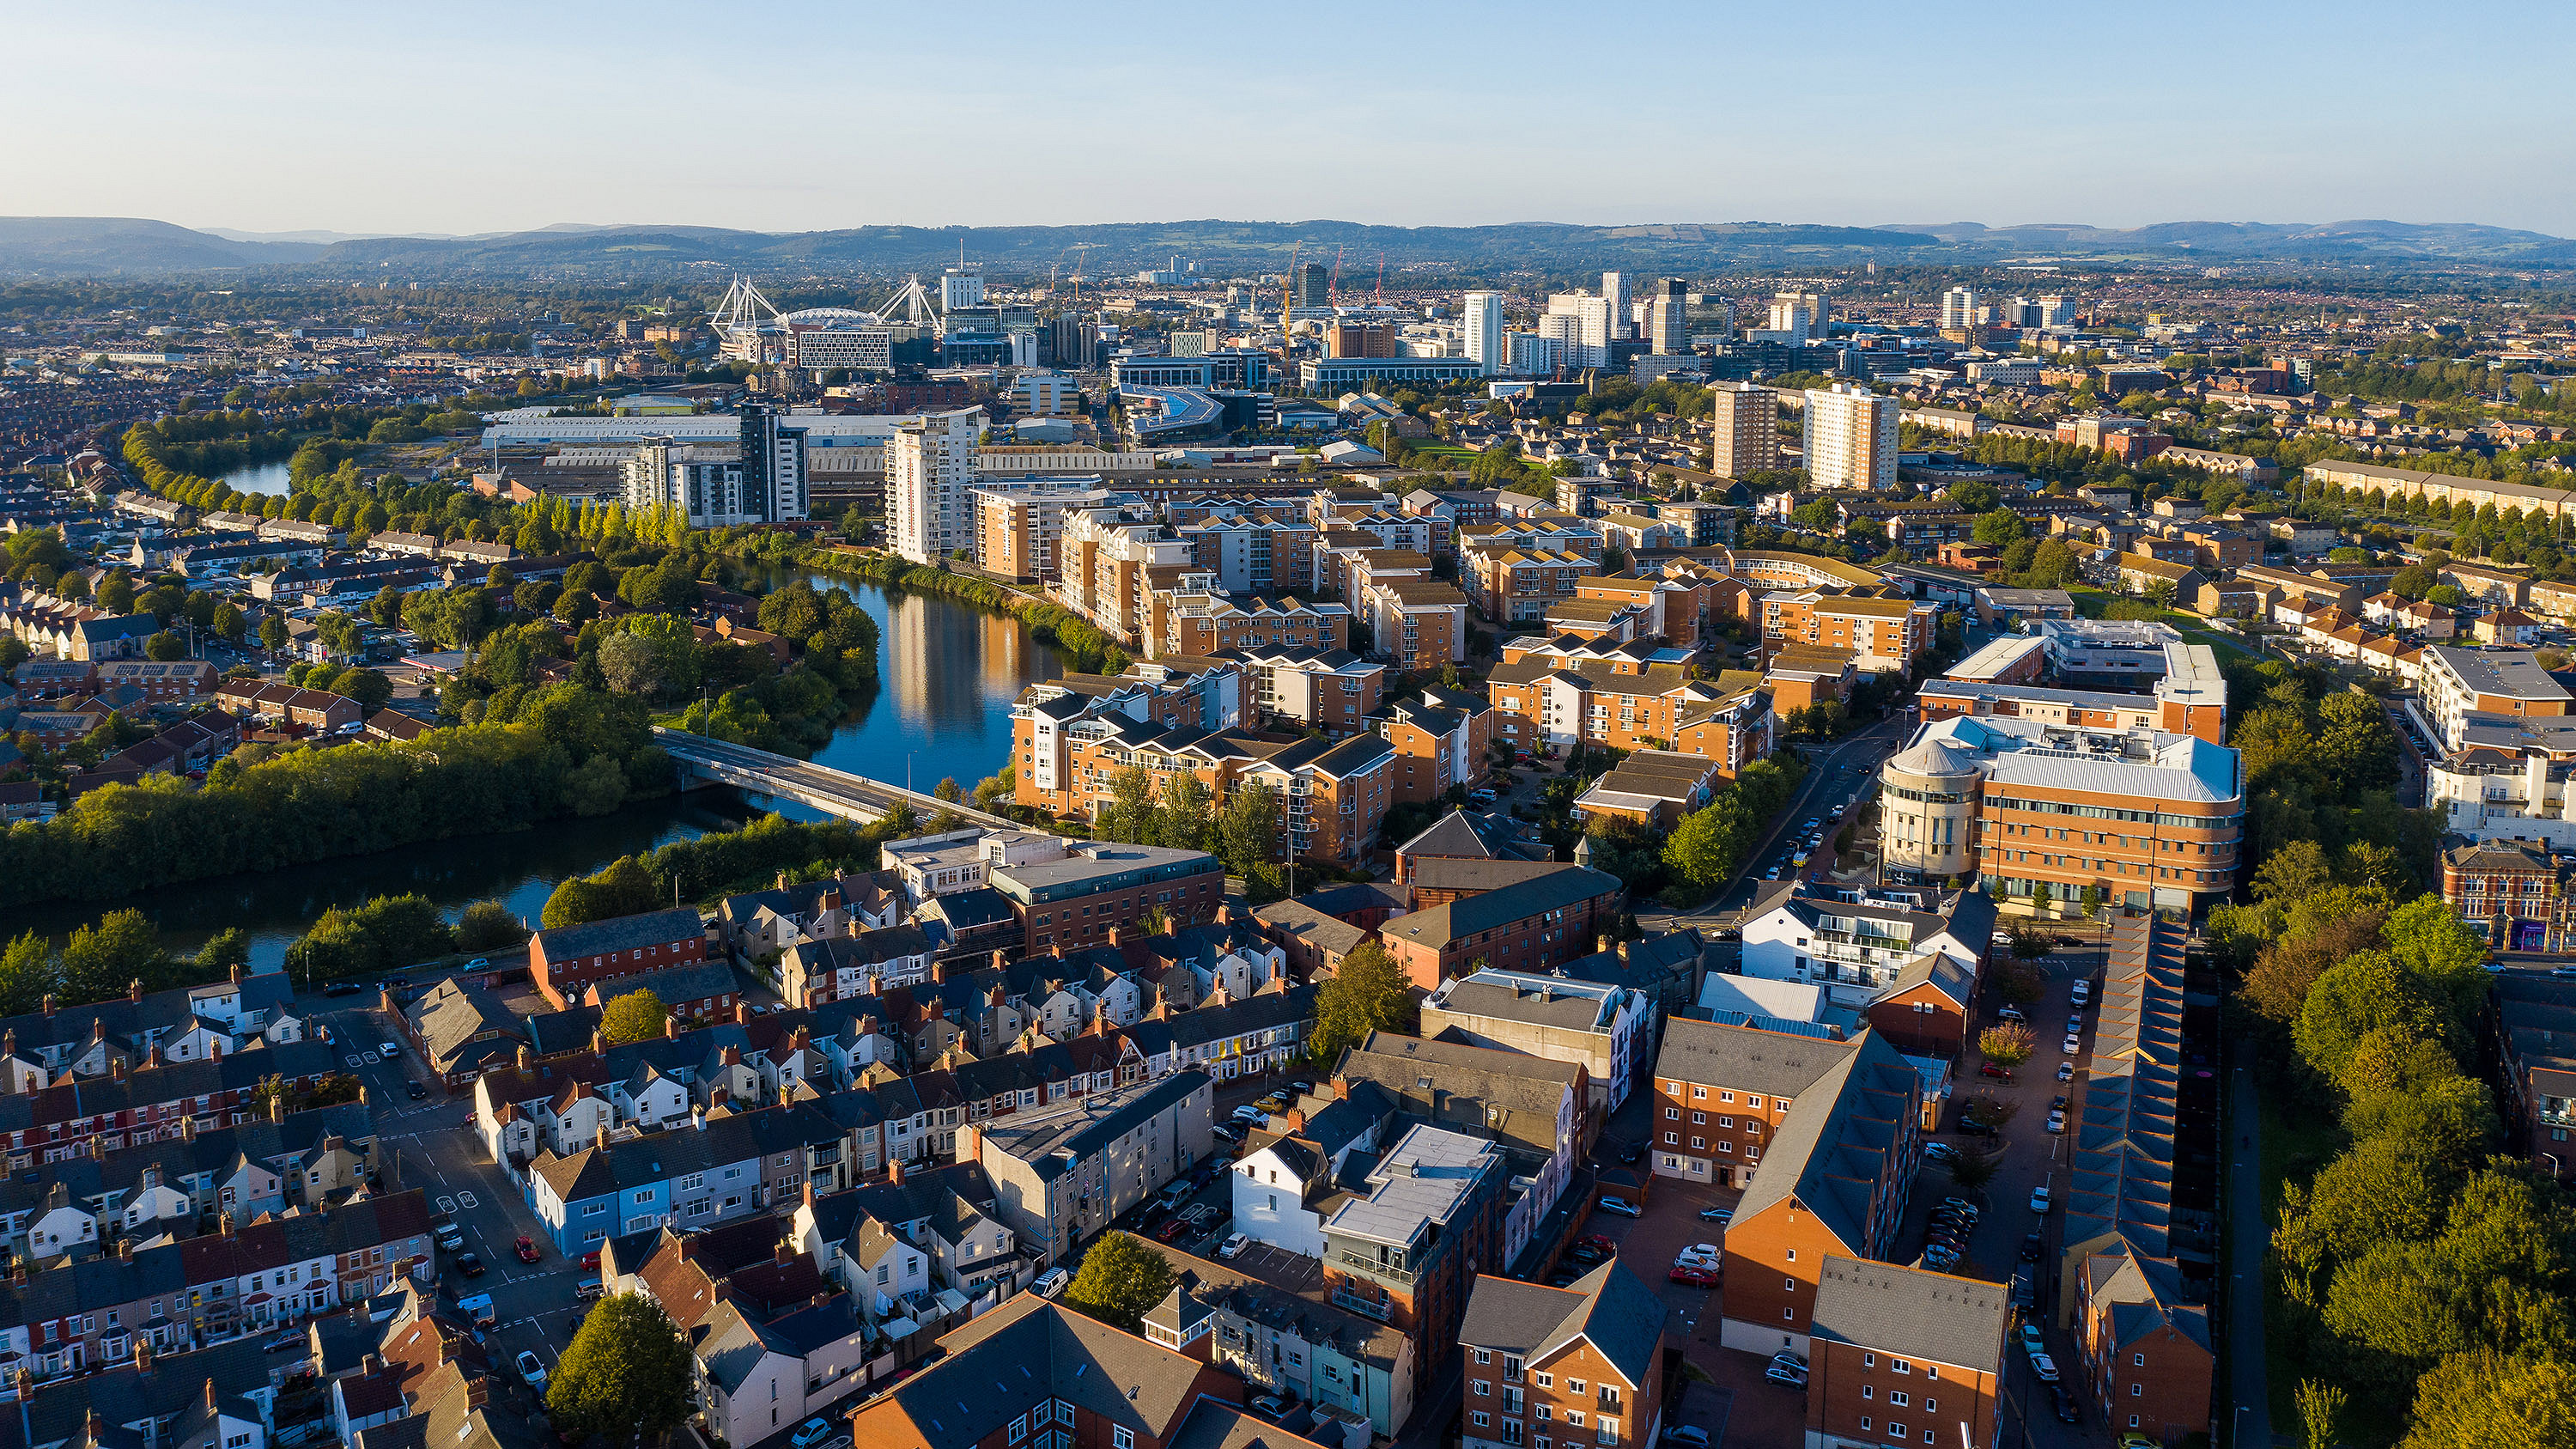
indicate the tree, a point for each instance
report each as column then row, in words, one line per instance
column 368, row 687
column 2319, row 1404
column 1702, row 850
column 272, row 633
column 27, row 972
column 1122, row 1278
column 1185, row 817
column 165, row 646
column 636, row 1016
column 226, row 949
column 2483, row 1398
column 485, row 925
column 1999, row 526
column 1369, row 993
column 2007, row 1044
column 2293, row 872
column 1248, row 831
column 100, row 960
column 1129, row 816
column 627, row 1373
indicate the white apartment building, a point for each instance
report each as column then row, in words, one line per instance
column 761, row 479
column 1481, row 326
column 1799, row 314
column 929, row 468
column 1851, row 437
column 1614, row 302
column 1959, row 307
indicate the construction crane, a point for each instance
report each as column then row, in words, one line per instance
column 1333, row 288
column 1380, row 299
column 1077, row 277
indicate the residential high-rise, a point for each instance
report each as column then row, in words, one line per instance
column 1851, row 437
column 960, row 287
column 930, row 465
column 2053, row 312
column 2022, row 312
column 1671, row 320
column 1314, row 286
column 1480, row 323
column 1359, row 339
column 761, row 480
column 1076, row 341
column 1802, row 313
column 1959, row 307
column 1614, row 298
column 1583, row 323
column 1747, row 423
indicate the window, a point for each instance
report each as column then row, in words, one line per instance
column 1931, row 1406
column 1673, row 1114
column 1481, row 1418
column 1867, row 1392
column 1700, row 1094
column 2136, row 1390
column 1574, row 1418
column 1546, row 1381
column 690, row 1183
column 1864, row 1423
column 2138, row 1359
column 1482, row 1356
column 1019, row 1428
column 1898, row 1398
column 1574, row 1386
column 1121, row 1437
column 1898, row 1365
column 1484, row 1388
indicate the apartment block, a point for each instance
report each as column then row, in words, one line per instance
column 930, row 468
column 1260, row 556
column 1578, row 1365
column 1535, row 1110
column 1618, row 694
column 1512, row 584
column 1596, row 1024
column 1744, row 429
column 1859, row 942
column 1405, row 1246
column 2143, row 818
column 1061, row 1175
column 1418, row 623
column 1286, row 1337
column 1832, row 1183
column 1882, row 634
column 2458, row 683
column 1018, row 527
column 1851, row 437
column 1905, row 1356
column 1105, row 568
column 1332, row 690
column 1546, row 920
column 1440, row 741
column 1191, row 617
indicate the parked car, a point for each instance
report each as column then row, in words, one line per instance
column 1620, row 1206
column 2082, row 995
column 1272, row 1404
column 2025, row 1293
column 1717, row 1215
column 283, row 1342
column 1971, row 1127
column 2057, row 1119
column 811, row 1433
column 2044, row 1367
column 1250, row 1116
column 1233, row 1246
column 2066, row 1071
column 413, row 1089
column 1272, row 1103
column 1693, row 1276
column 389, row 1048
column 532, row 1369
column 587, row 1289
column 2031, row 1248
column 450, row 1241
column 1937, row 1151
column 341, row 988
column 1172, row 1228
column 2072, row 1044
column 526, row 1248
column 468, row 1264
column 2070, row 1410
column 1781, row 1373
column 1603, row 1241
column 590, row 1260
column 1996, row 1070
column 2010, row 1013
column 2039, row 1198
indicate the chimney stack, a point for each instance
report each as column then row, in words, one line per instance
column 210, row 1383
column 1001, row 958
column 670, row 1027
column 742, row 1013
column 527, row 1057
column 602, row 1139
column 116, row 1069
column 938, row 970
column 1623, row 951
column 142, row 1355
column 1114, row 934
column 894, row 1173
column 224, row 1225
column 1607, row 944
column 125, row 1250
column 134, row 989
column 719, row 1096
column 730, row 1056
column 49, row 1010
column 237, row 975
column 152, row 1058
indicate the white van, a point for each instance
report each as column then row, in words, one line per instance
column 1052, row 1282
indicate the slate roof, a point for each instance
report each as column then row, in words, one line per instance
column 1619, row 1316
column 1004, row 1362
column 660, row 1157
column 1831, row 1149
column 621, row 933
column 464, row 1026
column 1091, row 1124
column 127, row 1020
column 1913, row 1313
column 673, row 986
column 1554, row 890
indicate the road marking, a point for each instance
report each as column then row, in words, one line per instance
column 447, row 1204
column 466, row 1198
column 353, row 1060
column 372, row 1059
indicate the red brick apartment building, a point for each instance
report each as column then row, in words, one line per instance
column 1518, row 585
column 1832, row 1180
column 1579, row 1365
column 1904, row 1356
column 1439, row 741
column 1542, row 922
column 563, row 961
column 1198, row 621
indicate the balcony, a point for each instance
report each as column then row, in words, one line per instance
column 1373, row 1268
column 1380, row 1308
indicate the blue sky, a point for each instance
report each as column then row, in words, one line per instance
column 788, row 117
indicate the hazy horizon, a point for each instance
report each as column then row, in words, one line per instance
column 792, row 117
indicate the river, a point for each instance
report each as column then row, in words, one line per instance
column 948, row 672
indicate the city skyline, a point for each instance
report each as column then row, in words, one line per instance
column 294, row 118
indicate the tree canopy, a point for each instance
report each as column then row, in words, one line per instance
column 1122, row 1278
column 626, row 1374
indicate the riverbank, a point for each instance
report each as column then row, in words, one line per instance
column 1088, row 650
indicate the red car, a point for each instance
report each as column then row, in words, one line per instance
column 1171, row 1228
column 1603, row 1241
column 527, row 1249
column 590, row 1259
column 1989, row 1069
column 1695, row 1277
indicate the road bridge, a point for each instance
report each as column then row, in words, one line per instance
column 834, row 792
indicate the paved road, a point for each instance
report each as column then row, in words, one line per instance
column 2249, row 1412
column 1836, row 775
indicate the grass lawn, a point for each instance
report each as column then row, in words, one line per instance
column 2291, row 1149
